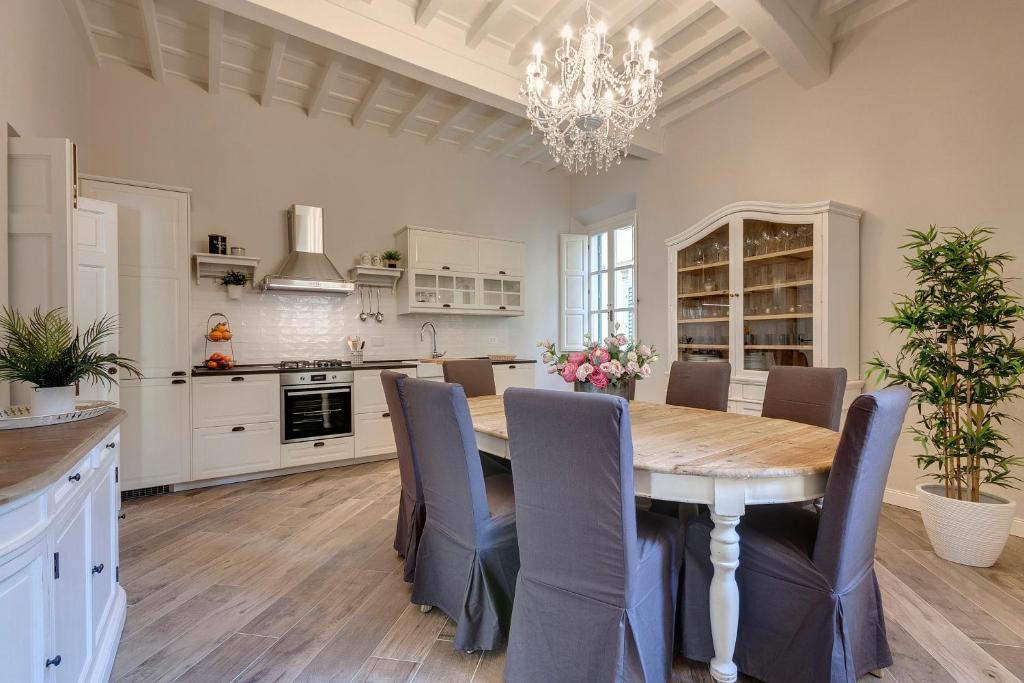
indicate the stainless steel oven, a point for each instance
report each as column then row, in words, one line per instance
column 316, row 405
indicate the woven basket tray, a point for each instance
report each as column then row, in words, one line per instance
column 500, row 357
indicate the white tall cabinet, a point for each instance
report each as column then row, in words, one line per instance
column 759, row 285
column 153, row 277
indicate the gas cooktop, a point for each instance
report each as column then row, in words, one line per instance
column 314, row 364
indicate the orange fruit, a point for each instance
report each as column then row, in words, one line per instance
column 225, row 335
column 216, row 335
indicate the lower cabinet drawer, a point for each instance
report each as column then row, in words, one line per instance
column 374, row 435
column 238, row 449
column 309, row 452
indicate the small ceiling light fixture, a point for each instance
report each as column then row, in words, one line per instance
column 589, row 115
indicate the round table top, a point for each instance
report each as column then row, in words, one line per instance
column 676, row 440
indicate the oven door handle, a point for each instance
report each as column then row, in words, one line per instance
column 309, row 392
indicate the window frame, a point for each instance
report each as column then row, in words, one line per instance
column 608, row 227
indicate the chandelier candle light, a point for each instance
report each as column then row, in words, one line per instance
column 589, row 116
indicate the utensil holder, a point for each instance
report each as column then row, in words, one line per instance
column 357, row 357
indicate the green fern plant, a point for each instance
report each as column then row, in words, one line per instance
column 47, row 351
column 960, row 359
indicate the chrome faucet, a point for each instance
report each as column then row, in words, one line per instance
column 433, row 339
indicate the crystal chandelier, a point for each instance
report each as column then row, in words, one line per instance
column 589, row 116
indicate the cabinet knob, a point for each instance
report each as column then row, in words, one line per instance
column 511, row 367
column 501, row 308
column 122, row 515
column 238, row 429
column 98, row 569
column 237, row 379
column 385, row 414
column 446, row 267
column 178, row 373
column 446, row 306
column 318, row 444
column 502, row 272
column 112, row 370
column 53, row 662
column 112, row 445
column 77, row 476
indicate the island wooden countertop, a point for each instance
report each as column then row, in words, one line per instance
column 676, row 440
column 32, row 459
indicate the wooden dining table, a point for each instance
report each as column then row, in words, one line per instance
column 726, row 461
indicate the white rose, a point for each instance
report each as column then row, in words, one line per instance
column 583, row 371
column 645, row 371
column 546, row 357
column 610, row 341
column 631, row 356
column 632, row 367
column 622, row 340
column 613, row 368
column 644, row 350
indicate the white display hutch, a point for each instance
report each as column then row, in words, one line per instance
column 760, row 284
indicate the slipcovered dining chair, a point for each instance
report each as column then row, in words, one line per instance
column 411, row 511
column 810, row 607
column 476, row 375
column 598, row 586
column 812, row 396
column 699, row 385
column 468, row 558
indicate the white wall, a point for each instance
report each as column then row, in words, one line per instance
column 919, row 123
column 247, row 164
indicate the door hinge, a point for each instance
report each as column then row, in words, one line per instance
column 56, row 565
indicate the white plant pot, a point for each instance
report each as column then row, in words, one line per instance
column 52, row 400
column 964, row 532
column 234, row 292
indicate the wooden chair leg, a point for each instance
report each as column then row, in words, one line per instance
column 877, row 673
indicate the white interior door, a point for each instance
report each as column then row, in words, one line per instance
column 96, row 279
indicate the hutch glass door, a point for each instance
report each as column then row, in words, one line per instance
column 778, row 294
column 703, row 298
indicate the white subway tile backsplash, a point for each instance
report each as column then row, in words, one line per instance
column 273, row 326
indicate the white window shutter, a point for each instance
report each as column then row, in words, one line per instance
column 572, row 273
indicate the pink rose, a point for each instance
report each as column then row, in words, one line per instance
column 645, row 371
column 583, row 372
column 577, row 358
column 598, row 378
column 598, row 356
column 622, row 340
column 569, row 372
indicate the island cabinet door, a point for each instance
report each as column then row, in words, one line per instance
column 513, row 375
column 23, row 617
column 72, row 639
column 104, row 545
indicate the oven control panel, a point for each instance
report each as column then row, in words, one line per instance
column 317, row 377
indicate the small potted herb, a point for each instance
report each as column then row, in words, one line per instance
column 234, row 281
column 47, row 352
column 391, row 258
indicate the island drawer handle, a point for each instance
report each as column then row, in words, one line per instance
column 238, row 429
column 112, row 444
column 53, row 662
column 77, row 476
column 178, row 381
column 237, row 379
column 319, row 444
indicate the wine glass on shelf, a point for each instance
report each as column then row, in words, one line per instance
column 766, row 241
column 785, row 236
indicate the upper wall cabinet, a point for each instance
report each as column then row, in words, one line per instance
column 449, row 272
column 762, row 285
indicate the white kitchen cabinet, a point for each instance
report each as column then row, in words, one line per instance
column 437, row 250
column 235, row 399
column 444, row 290
column 501, row 293
column 155, row 443
column 368, row 393
column 513, row 375
column 104, row 548
column 238, row 449
column 314, row 452
column 501, row 257
column 24, row 616
column 71, row 570
column 374, row 435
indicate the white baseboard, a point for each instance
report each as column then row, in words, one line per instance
column 266, row 474
column 905, row 499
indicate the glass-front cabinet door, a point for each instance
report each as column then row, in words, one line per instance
column 704, row 298
column 445, row 290
column 501, row 293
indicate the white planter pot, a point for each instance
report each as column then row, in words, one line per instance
column 964, row 532
column 234, row 292
column 52, row 400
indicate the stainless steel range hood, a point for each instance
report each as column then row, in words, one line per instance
column 307, row 268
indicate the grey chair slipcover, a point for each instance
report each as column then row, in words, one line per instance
column 411, row 512
column 467, row 559
column 699, row 385
column 810, row 608
column 812, row 396
column 476, row 375
column 598, row 586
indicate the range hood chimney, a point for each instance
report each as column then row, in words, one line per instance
column 307, row 268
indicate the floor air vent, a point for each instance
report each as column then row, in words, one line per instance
column 148, row 491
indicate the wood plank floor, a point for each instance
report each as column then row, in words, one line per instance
column 294, row 579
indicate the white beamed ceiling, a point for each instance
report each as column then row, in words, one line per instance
column 449, row 71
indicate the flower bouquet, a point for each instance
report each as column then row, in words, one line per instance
column 609, row 366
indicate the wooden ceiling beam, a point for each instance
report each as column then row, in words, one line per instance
column 494, row 10
column 448, row 123
column 273, row 67
column 514, row 139
column 737, row 82
column 484, row 131
column 699, row 47
column 214, row 50
column 426, row 10
column 688, row 12
column 552, row 20
column 151, row 34
column 80, row 26
column 323, row 86
column 534, row 153
column 862, row 16
column 829, row 7
column 419, row 102
column 378, row 87
column 709, row 73
column 621, row 19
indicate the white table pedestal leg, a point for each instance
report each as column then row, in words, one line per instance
column 724, row 596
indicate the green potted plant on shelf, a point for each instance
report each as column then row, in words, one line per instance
column 391, row 258
column 963, row 363
column 47, row 352
column 234, row 280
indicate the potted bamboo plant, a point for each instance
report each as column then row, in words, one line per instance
column 963, row 363
column 48, row 353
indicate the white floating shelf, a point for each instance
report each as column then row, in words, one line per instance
column 375, row 276
column 216, row 266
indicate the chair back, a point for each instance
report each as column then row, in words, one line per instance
column 699, row 385
column 441, row 433
column 572, row 463
column 813, row 396
column 845, row 545
column 476, row 375
column 408, row 468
